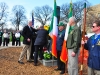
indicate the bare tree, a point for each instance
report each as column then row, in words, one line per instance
column 3, row 14
column 64, row 12
column 19, row 17
column 43, row 14
column 77, row 8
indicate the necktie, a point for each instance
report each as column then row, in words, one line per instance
column 30, row 28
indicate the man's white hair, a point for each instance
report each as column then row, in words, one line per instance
column 72, row 18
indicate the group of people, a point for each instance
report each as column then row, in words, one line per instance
column 36, row 38
column 5, row 38
column 73, row 44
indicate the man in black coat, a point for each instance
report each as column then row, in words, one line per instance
column 27, row 34
column 1, row 37
column 40, row 42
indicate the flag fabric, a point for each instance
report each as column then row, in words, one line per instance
column 54, row 30
column 32, row 19
column 64, row 53
column 51, row 27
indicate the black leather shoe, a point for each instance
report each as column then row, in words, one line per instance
column 35, row 64
column 20, row 62
column 57, row 69
column 62, row 72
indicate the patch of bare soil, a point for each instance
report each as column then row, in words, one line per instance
column 9, row 65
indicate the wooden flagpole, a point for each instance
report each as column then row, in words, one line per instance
column 83, row 38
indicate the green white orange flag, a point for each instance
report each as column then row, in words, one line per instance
column 64, row 53
column 55, row 31
column 51, row 27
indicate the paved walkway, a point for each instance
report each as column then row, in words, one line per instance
column 10, row 45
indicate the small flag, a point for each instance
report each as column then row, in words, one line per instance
column 32, row 19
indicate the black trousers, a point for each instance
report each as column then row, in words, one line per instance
column 60, row 64
column 32, row 49
column 5, row 42
column 0, row 41
column 38, row 50
column 13, row 42
column 17, row 41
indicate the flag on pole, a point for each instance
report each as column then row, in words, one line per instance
column 32, row 19
column 64, row 53
column 54, row 30
column 51, row 27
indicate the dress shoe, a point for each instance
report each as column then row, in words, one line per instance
column 57, row 69
column 62, row 72
column 20, row 62
column 30, row 60
column 35, row 64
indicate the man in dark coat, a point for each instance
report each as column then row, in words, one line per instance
column 1, row 37
column 40, row 43
column 27, row 34
column 13, row 38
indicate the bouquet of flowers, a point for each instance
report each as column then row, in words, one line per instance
column 47, row 55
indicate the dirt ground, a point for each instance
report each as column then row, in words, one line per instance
column 9, row 65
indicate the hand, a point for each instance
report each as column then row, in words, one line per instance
column 28, row 40
column 73, row 54
column 83, row 42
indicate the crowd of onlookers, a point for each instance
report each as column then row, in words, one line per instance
column 6, row 37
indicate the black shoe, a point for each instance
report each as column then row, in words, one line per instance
column 62, row 72
column 30, row 60
column 35, row 64
column 20, row 62
column 57, row 69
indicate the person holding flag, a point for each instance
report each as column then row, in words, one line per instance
column 73, row 44
column 60, row 39
column 93, row 47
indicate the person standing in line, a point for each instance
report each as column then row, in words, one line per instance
column 13, row 38
column 27, row 34
column 17, row 35
column 5, row 38
column 40, row 43
column 60, row 39
column 93, row 47
column 73, row 45
column 1, row 37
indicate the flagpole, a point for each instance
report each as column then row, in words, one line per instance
column 83, row 38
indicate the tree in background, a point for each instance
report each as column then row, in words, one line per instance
column 3, row 14
column 77, row 10
column 19, row 17
column 43, row 14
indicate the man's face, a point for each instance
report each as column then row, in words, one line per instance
column 61, row 28
column 95, row 28
column 30, row 23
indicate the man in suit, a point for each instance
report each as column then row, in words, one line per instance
column 13, row 38
column 27, row 34
column 40, row 42
column 73, row 45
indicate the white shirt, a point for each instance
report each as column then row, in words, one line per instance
column 17, row 35
column 5, row 35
